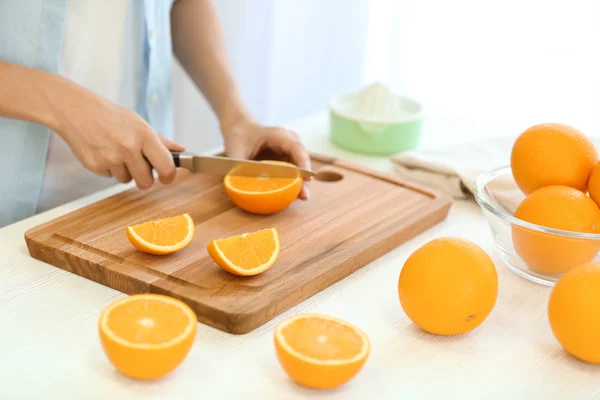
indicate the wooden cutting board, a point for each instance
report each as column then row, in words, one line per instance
column 354, row 216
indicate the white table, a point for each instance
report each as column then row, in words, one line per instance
column 49, row 346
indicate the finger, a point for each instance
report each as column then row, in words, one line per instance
column 171, row 145
column 160, row 158
column 304, row 192
column 287, row 142
column 299, row 155
column 95, row 165
column 302, row 159
column 121, row 174
column 140, row 171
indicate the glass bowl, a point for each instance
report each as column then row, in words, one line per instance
column 532, row 251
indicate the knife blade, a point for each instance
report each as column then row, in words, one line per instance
column 234, row 166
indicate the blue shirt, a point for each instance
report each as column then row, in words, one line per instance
column 31, row 34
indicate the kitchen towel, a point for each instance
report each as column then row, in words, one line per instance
column 454, row 170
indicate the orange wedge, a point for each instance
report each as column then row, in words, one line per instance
column 262, row 195
column 147, row 336
column 163, row 236
column 246, row 254
column 320, row 351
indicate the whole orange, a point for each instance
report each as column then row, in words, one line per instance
column 448, row 286
column 558, row 207
column 552, row 154
column 262, row 195
column 594, row 184
column 574, row 312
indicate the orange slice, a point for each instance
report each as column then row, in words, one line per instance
column 147, row 336
column 163, row 236
column 262, row 195
column 320, row 351
column 246, row 254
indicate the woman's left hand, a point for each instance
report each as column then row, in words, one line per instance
column 248, row 140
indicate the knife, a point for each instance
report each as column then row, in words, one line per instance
column 239, row 167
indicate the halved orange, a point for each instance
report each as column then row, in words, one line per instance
column 147, row 336
column 246, row 254
column 262, row 195
column 163, row 236
column 320, row 351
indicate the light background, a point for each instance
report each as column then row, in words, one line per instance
column 480, row 64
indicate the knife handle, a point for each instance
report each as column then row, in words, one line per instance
column 176, row 159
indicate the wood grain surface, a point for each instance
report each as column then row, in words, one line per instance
column 346, row 224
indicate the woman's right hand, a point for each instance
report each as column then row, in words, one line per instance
column 108, row 139
column 111, row 140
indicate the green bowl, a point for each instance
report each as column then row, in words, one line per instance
column 373, row 136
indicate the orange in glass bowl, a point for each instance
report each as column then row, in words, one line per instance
column 533, row 251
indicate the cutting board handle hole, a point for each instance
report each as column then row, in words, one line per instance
column 328, row 176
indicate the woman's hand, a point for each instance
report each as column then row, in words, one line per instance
column 108, row 139
column 111, row 140
column 247, row 139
